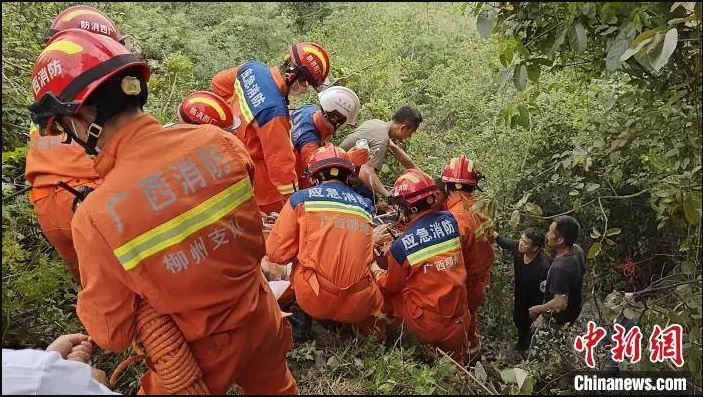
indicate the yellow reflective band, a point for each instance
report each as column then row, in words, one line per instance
column 65, row 46
column 179, row 228
column 74, row 14
column 287, row 189
column 434, row 250
column 212, row 104
column 331, row 206
column 318, row 54
column 243, row 106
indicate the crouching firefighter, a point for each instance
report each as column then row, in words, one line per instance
column 327, row 232
column 156, row 241
column 424, row 283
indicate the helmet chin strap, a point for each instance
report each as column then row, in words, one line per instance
column 90, row 146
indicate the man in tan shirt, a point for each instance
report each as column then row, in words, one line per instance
column 380, row 135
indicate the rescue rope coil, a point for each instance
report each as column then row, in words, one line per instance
column 166, row 353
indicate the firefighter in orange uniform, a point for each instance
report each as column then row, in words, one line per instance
column 460, row 179
column 424, row 283
column 205, row 107
column 61, row 175
column 173, row 223
column 327, row 231
column 259, row 97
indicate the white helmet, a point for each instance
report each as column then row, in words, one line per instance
column 341, row 99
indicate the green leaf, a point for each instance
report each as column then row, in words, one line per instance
column 576, row 205
column 612, row 232
column 533, row 72
column 520, row 376
column 637, row 44
column 524, row 116
column 661, row 55
column 505, row 75
column 485, row 22
column 514, row 219
column 523, row 200
column 508, row 375
column 591, row 187
column 595, row 233
column 579, row 35
column 619, row 46
column 574, row 193
column 610, row 242
column 533, row 209
column 558, row 41
column 594, row 251
column 630, row 313
column 692, row 208
column 520, row 78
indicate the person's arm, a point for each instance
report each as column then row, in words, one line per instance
column 106, row 307
column 367, row 175
column 400, row 155
column 559, row 286
column 307, row 151
column 508, row 244
column 282, row 243
column 278, row 154
column 223, row 83
column 392, row 281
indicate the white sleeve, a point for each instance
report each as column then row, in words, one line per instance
column 41, row 372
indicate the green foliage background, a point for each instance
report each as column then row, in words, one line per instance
column 542, row 103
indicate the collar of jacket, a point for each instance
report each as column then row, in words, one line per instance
column 280, row 81
column 456, row 197
column 323, row 126
column 105, row 161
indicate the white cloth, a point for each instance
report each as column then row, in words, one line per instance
column 40, row 372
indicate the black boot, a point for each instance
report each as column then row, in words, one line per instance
column 301, row 323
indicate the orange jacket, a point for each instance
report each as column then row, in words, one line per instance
column 265, row 128
column 49, row 161
column 479, row 254
column 426, row 266
column 174, row 224
column 328, row 229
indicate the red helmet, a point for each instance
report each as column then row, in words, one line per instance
column 329, row 156
column 311, row 61
column 71, row 67
column 87, row 18
column 205, row 107
column 412, row 186
column 461, row 170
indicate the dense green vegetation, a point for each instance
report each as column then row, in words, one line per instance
column 587, row 108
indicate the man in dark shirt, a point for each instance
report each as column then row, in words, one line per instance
column 565, row 276
column 530, row 266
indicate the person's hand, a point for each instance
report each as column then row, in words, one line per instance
column 380, row 233
column 534, row 312
column 99, row 376
column 65, row 344
column 543, row 286
column 375, row 269
column 358, row 156
column 81, row 352
column 273, row 271
column 495, row 234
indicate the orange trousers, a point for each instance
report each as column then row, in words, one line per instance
column 54, row 215
column 447, row 333
column 252, row 356
column 359, row 305
column 475, row 294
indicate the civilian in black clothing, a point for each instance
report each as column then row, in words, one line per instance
column 565, row 276
column 530, row 266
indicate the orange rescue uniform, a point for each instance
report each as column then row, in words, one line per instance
column 424, row 283
column 48, row 162
column 258, row 97
column 174, row 224
column 327, row 232
column 479, row 255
